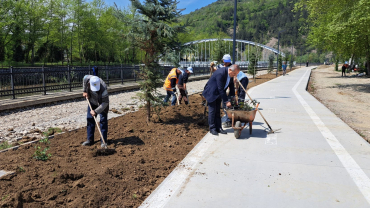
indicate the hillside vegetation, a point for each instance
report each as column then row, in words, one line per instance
column 257, row 20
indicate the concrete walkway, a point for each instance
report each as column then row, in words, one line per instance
column 316, row 160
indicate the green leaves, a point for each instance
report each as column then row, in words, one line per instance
column 153, row 28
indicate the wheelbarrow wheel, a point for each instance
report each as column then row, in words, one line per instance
column 237, row 132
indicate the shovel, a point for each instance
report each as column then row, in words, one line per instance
column 105, row 150
column 269, row 132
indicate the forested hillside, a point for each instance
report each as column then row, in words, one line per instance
column 49, row 31
column 258, row 20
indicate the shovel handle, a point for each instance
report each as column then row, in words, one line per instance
column 96, row 122
column 256, row 107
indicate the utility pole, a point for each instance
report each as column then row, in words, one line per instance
column 234, row 37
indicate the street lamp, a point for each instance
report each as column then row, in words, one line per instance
column 277, row 61
column 234, row 37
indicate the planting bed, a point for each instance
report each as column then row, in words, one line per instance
column 75, row 177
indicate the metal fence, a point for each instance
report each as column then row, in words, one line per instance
column 17, row 82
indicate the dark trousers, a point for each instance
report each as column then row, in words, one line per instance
column 241, row 92
column 343, row 72
column 169, row 93
column 182, row 94
column 91, row 125
column 214, row 117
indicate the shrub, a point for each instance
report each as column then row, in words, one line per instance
column 5, row 145
column 41, row 154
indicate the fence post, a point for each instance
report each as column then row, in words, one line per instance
column 12, row 81
column 135, row 74
column 43, row 79
column 107, row 73
column 121, row 74
column 69, row 78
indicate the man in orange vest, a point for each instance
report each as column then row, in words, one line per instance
column 170, row 85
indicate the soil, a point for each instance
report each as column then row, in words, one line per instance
column 347, row 97
column 74, row 176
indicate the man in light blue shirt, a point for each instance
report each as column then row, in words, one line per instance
column 243, row 79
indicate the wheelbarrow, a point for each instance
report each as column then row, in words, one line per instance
column 240, row 116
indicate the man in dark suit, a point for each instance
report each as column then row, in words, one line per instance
column 215, row 92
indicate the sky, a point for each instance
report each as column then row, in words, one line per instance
column 189, row 5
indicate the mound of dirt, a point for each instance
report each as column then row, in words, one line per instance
column 75, row 176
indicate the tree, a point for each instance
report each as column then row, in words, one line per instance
column 291, row 61
column 271, row 63
column 218, row 50
column 342, row 27
column 252, row 64
column 280, row 62
column 154, row 29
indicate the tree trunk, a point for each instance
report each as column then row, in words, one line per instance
column 148, row 111
column 368, row 62
column 368, row 57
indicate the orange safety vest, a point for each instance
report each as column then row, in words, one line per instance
column 167, row 82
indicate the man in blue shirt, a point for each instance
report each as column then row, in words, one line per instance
column 284, row 66
column 183, row 79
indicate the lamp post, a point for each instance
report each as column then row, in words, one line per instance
column 277, row 60
column 234, row 36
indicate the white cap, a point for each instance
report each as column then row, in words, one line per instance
column 190, row 69
column 95, row 83
column 226, row 58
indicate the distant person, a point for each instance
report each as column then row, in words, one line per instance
column 344, row 67
column 284, row 66
column 307, row 64
column 183, row 79
column 95, row 71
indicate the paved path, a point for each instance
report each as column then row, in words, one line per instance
column 315, row 161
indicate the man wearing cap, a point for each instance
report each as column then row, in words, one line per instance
column 95, row 90
column 183, row 79
column 170, row 85
column 227, row 63
column 215, row 92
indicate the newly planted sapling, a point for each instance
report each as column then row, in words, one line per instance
column 41, row 154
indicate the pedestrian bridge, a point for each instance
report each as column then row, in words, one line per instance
column 203, row 51
column 240, row 43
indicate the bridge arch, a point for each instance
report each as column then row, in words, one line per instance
column 204, row 51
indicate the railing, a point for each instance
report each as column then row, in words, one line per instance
column 17, row 82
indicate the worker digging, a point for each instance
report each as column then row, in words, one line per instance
column 95, row 91
column 170, row 85
column 181, row 84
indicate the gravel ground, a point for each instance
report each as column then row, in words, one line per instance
column 347, row 97
column 30, row 122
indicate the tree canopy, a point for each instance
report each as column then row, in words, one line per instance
column 341, row 26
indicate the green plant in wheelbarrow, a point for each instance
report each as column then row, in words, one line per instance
column 244, row 112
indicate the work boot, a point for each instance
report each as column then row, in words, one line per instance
column 226, row 124
column 221, row 131
column 87, row 143
column 214, row 132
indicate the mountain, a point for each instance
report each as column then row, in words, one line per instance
column 257, row 20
